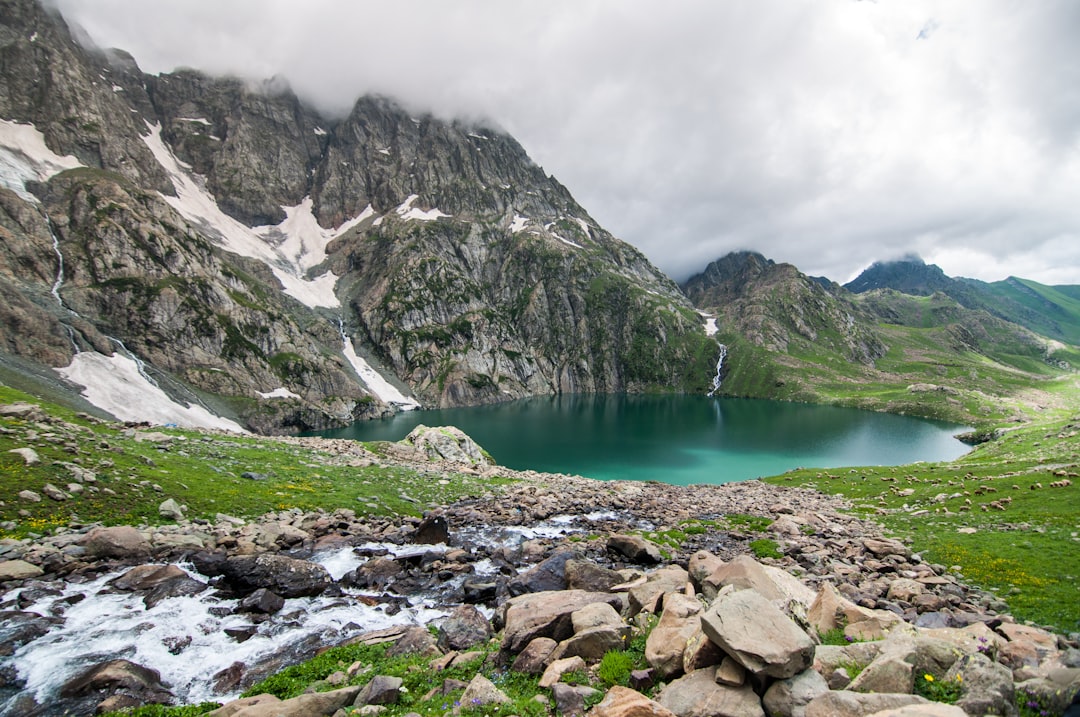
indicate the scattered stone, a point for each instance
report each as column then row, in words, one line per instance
column 625, row 702
column 481, row 691
column 535, row 657
column 554, row 672
column 585, row 575
column 55, row 493
column 635, row 549
column 19, row 570
column 667, row 642
column 570, row 699
column 545, row 614
column 699, row 695
column 380, row 690
column 431, row 531
column 463, row 628
column 122, row 542
column 29, row 455
column 29, row 496
column 171, row 509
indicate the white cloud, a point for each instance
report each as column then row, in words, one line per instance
column 827, row 134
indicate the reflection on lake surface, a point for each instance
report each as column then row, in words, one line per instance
column 679, row 439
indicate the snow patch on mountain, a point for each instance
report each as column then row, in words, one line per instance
column 116, row 385
column 407, row 212
column 296, row 233
column 518, row 224
column 24, row 157
column 387, row 392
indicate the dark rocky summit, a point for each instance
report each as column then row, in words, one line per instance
column 233, row 241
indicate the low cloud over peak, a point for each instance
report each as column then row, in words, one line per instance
column 827, row 135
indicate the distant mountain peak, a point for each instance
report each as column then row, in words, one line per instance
column 909, row 274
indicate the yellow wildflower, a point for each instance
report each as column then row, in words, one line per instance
column 928, row 678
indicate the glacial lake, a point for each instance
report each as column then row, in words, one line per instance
column 678, row 439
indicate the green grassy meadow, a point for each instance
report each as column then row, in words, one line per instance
column 984, row 514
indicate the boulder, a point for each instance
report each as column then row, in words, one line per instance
column 144, row 577
column 545, row 614
column 380, row 690
column 288, row 577
column 121, row 542
column 987, row 686
column 29, row 455
column 570, row 699
column 18, row 570
column 593, row 643
column 181, row 586
column 668, row 579
column 905, row 589
column 447, row 443
column 765, row 641
column 262, row 601
column 625, row 702
column 414, row 641
column 789, row 698
column 432, row 530
column 554, row 672
column 884, row 547
column 700, row 651
column 463, row 628
column 585, row 575
column 29, row 496
column 635, row 549
column 171, row 510
column 231, row 708
column 667, row 642
column 313, row 704
column 933, row 709
column 842, row 703
column 744, row 573
column 481, row 691
column 703, row 564
column 550, row 574
column 699, row 695
column 535, row 657
column 888, row 673
column 124, row 677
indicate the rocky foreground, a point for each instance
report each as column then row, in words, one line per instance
column 729, row 634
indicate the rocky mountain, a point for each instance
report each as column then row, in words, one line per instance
column 183, row 248
column 1052, row 311
column 792, row 336
column 776, row 310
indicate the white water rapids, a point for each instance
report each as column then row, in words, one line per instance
column 184, row 638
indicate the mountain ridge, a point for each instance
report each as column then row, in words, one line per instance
column 292, row 271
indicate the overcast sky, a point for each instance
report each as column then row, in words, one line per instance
column 824, row 133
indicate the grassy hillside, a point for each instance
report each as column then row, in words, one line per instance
column 1049, row 310
column 1026, row 547
column 205, row 472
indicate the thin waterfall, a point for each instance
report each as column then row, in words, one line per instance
column 719, row 377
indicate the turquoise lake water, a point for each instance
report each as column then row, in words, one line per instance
column 679, row 439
